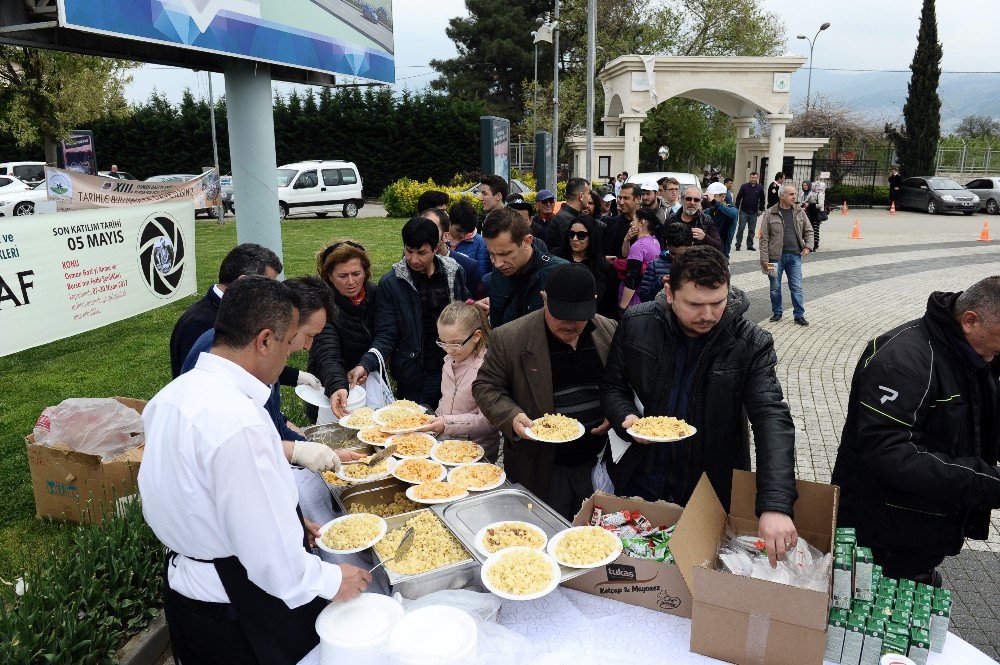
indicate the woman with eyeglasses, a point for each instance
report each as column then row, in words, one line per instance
column 584, row 244
column 645, row 248
column 341, row 348
column 463, row 333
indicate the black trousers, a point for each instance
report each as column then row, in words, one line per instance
column 571, row 486
column 906, row 564
column 210, row 630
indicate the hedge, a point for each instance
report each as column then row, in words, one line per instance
column 857, row 195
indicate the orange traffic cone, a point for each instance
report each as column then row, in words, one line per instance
column 985, row 235
column 856, row 232
column 843, row 209
column 892, row 208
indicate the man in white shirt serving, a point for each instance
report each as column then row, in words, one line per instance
column 217, row 490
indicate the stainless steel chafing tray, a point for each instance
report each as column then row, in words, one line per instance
column 333, row 435
column 454, row 576
column 369, row 494
column 513, row 503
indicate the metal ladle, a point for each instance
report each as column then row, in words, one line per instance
column 404, row 546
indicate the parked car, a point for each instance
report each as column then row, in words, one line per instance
column 30, row 173
column 121, row 175
column 184, row 177
column 9, row 184
column 936, row 195
column 988, row 191
column 515, row 186
column 318, row 187
column 15, row 204
column 685, row 179
column 226, row 185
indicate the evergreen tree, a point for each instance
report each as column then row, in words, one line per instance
column 916, row 142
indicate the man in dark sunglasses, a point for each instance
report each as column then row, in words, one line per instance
column 703, row 229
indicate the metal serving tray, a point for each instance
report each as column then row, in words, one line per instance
column 369, row 494
column 333, row 435
column 454, row 576
column 513, row 503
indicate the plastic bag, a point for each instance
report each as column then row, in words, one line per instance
column 104, row 427
column 378, row 393
column 804, row 566
column 480, row 606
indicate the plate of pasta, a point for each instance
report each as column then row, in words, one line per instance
column 661, row 429
column 555, row 428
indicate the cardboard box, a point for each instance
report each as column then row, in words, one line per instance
column 77, row 487
column 649, row 584
column 741, row 619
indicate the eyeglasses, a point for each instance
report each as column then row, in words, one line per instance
column 579, row 235
column 692, row 198
column 451, row 346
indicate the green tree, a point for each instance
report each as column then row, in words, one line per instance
column 978, row 127
column 495, row 54
column 48, row 93
column 916, row 141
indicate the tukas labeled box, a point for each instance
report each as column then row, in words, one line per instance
column 650, row 584
column 741, row 619
column 77, row 487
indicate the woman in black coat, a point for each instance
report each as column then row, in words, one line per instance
column 584, row 244
column 344, row 342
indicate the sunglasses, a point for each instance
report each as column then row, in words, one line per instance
column 692, row 198
column 451, row 346
column 579, row 235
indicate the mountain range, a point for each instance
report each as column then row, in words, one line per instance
column 881, row 95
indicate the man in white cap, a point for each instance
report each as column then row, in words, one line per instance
column 607, row 208
column 651, row 200
column 723, row 214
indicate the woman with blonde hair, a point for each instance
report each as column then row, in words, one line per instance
column 463, row 333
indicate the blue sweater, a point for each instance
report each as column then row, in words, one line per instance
column 273, row 405
column 652, row 279
column 475, row 248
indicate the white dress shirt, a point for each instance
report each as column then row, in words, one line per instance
column 215, row 483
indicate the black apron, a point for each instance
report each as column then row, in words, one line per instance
column 278, row 635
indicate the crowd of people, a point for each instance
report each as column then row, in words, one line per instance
column 604, row 311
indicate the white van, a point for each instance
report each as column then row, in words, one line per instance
column 319, row 187
column 30, row 173
column 685, row 179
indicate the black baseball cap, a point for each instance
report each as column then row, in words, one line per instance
column 571, row 293
column 517, row 202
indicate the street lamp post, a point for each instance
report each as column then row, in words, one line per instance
column 812, row 43
column 663, row 152
column 555, row 95
column 543, row 34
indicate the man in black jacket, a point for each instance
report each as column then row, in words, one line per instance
column 411, row 295
column 750, row 201
column 703, row 229
column 242, row 260
column 691, row 354
column 774, row 189
column 917, row 464
column 577, row 196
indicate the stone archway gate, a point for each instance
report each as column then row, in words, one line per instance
column 739, row 87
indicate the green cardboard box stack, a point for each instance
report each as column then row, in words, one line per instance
column 873, row 615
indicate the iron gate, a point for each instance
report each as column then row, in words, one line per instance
column 854, row 177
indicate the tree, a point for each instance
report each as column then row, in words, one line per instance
column 916, row 141
column 48, row 93
column 832, row 119
column 495, row 54
column 978, row 127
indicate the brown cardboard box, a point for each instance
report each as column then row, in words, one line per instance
column 650, row 584
column 76, row 487
column 741, row 619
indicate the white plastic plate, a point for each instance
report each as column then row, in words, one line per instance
column 554, row 542
column 383, row 527
column 495, row 558
column 481, row 535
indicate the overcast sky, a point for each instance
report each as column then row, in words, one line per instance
column 864, row 34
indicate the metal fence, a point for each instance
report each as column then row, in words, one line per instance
column 522, row 156
column 967, row 160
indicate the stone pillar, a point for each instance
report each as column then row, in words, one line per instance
column 741, row 172
column 633, row 137
column 776, row 148
column 611, row 125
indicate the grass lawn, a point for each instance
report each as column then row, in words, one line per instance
column 131, row 358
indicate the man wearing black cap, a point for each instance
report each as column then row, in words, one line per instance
column 550, row 361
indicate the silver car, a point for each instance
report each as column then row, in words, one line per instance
column 988, row 191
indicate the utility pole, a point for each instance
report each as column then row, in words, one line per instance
column 591, row 66
column 221, row 209
column 555, row 98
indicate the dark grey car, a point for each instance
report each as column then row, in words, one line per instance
column 988, row 191
column 936, row 195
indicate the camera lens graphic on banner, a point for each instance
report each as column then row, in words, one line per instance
column 161, row 254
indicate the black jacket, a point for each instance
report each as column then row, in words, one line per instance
column 701, row 221
column 399, row 333
column 344, row 341
column 917, row 464
column 192, row 324
column 559, row 225
column 513, row 297
column 773, row 194
column 735, row 375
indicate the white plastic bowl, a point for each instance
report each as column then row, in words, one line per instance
column 433, row 635
column 356, row 632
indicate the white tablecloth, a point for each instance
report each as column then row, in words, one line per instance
column 569, row 627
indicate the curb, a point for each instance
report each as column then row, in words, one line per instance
column 148, row 646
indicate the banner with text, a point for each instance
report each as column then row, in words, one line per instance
column 78, row 191
column 61, row 275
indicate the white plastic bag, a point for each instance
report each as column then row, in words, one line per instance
column 104, row 427
column 378, row 392
column 804, row 566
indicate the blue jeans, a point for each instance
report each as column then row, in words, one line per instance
column 726, row 233
column 790, row 263
column 749, row 222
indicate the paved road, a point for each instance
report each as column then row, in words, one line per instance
column 854, row 290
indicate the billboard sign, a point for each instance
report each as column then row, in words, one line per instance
column 77, row 153
column 351, row 37
column 494, row 141
column 75, row 191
